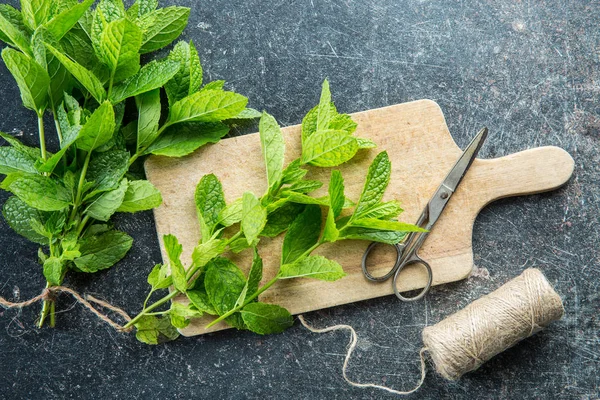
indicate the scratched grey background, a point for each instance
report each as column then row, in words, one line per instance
column 528, row 70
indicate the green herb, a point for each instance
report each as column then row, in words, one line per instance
column 215, row 285
column 83, row 66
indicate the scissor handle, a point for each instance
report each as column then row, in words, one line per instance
column 414, row 259
column 387, row 276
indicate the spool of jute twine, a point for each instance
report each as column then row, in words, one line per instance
column 465, row 340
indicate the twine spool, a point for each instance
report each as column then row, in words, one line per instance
column 468, row 338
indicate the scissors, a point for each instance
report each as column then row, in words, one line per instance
column 406, row 251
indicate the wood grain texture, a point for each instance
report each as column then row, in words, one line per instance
column 422, row 152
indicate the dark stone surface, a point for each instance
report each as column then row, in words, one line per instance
column 527, row 70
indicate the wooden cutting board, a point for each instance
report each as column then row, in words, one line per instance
column 422, row 152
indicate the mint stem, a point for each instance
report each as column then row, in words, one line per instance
column 86, row 163
column 160, row 302
column 52, row 314
column 45, row 309
column 141, row 151
column 84, row 221
column 42, row 136
column 57, row 125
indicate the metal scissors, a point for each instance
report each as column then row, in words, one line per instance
column 406, row 251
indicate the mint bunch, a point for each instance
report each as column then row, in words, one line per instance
column 215, row 285
column 83, row 66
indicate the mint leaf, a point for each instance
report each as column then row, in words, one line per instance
column 273, row 148
column 376, row 182
column 265, row 319
column 207, row 106
column 152, row 330
column 336, row 193
column 144, row 6
column 140, row 196
column 183, row 139
column 19, row 216
column 181, row 314
column 98, row 129
column 279, row 220
column 106, row 169
column 328, row 148
column 53, row 270
column 241, row 244
column 146, row 331
column 373, row 223
column 223, row 282
column 336, row 204
column 210, row 200
column 293, row 172
column 77, row 46
column 12, row 29
column 13, row 160
column 30, row 151
column 231, row 214
column 148, row 105
column 206, row 251
column 254, row 278
column 200, row 300
column 301, row 198
column 365, row 143
column 102, row 251
column 84, row 76
column 244, row 115
column 254, row 217
column 159, row 277
column 374, row 235
column 387, row 210
column 331, row 232
column 324, row 110
column 189, row 77
column 119, row 44
column 60, row 79
column 174, row 250
column 32, row 79
column 151, row 76
column 317, row 267
column 35, row 12
column 302, row 235
column 305, row 186
column 61, row 23
column 255, row 274
column 344, row 122
column 162, row 26
column 41, row 192
column 107, row 204
column 111, row 10
column 214, row 85
column 309, row 122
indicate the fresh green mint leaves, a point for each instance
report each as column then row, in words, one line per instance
column 82, row 65
column 327, row 139
column 215, row 285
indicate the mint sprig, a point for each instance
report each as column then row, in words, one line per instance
column 215, row 285
column 83, row 66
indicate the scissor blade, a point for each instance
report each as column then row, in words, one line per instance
column 464, row 162
column 442, row 195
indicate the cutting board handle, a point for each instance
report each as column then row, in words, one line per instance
column 527, row 172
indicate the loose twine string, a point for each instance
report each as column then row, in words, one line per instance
column 48, row 294
column 351, row 346
column 468, row 338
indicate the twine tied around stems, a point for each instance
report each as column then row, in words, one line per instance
column 49, row 292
